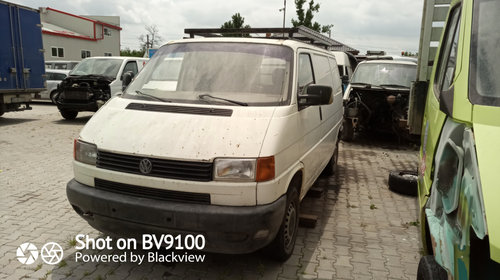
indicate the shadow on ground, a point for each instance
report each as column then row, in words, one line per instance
column 77, row 121
column 5, row 121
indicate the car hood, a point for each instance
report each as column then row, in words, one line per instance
column 486, row 134
column 124, row 126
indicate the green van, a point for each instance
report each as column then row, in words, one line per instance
column 459, row 169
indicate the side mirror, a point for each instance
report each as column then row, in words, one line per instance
column 315, row 95
column 127, row 78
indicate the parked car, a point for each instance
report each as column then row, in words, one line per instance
column 93, row 82
column 377, row 97
column 220, row 136
column 459, row 177
column 60, row 64
column 53, row 79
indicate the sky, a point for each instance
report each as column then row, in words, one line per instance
column 391, row 25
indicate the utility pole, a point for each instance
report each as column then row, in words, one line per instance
column 284, row 14
column 147, row 41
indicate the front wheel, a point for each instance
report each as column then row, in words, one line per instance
column 429, row 269
column 53, row 96
column 69, row 115
column 282, row 246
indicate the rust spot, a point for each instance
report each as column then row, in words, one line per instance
column 434, row 244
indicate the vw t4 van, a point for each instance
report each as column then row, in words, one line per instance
column 215, row 136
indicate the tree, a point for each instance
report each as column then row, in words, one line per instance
column 151, row 39
column 305, row 18
column 236, row 22
column 129, row 52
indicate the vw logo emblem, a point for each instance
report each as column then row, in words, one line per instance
column 145, row 166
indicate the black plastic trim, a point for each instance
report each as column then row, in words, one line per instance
column 180, row 109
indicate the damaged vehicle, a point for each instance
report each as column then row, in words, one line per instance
column 93, row 82
column 458, row 185
column 377, row 98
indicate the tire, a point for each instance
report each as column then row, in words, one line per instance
column 347, row 130
column 332, row 164
column 404, row 182
column 53, row 95
column 69, row 115
column 281, row 248
column 429, row 269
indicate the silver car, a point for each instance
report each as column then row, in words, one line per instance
column 54, row 78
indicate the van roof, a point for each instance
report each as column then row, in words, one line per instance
column 379, row 61
column 294, row 44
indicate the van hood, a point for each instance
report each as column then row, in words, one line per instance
column 178, row 131
column 488, row 155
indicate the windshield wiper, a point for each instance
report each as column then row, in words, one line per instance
column 152, row 96
column 385, row 86
column 202, row 96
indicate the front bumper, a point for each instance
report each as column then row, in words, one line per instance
column 227, row 229
column 70, row 106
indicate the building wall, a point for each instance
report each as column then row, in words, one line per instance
column 72, row 23
column 73, row 46
column 98, row 43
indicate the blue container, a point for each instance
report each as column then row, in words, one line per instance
column 21, row 50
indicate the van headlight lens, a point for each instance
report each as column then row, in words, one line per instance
column 85, row 152
column 234, row 169
column 247, row 170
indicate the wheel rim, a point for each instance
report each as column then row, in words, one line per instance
column 290, row 224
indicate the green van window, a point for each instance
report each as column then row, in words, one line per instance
column 484, row 88
column 448, row 56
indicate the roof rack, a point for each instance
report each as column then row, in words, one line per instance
column 300, row 33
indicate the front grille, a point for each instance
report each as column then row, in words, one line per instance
column 172, row 169
column 158, row 194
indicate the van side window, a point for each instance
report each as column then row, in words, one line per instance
column 341, row 70
column 322, row 71
column 130, row 66
column 448, row 56
column 305, row 74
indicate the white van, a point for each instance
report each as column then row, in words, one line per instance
column 221, row 137
column 93, row 82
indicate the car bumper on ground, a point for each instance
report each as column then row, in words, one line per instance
column 227, row 229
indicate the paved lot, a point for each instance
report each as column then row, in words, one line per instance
column 364, row 231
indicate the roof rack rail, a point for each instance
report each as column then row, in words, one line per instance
column 300, row 33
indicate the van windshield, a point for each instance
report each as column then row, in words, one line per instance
column 216, row 73
column 485, row 54
column 103, row 67
column 380, row 74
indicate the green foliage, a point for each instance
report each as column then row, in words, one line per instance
column 236, row 22
column 405, row 53
column 129, row 52
column 305, row 17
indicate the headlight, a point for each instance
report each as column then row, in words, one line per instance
column 85, row 152
column 234, row 169
column 251, row 170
